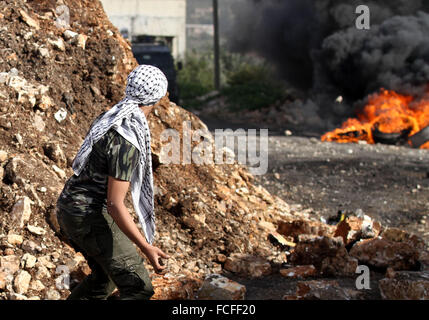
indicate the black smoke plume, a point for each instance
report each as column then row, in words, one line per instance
column 317, row 47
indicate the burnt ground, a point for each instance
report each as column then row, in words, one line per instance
column 388, row 183
column 275, row 286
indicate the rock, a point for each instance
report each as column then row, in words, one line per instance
column 328, row 255
column 266, row 226
column 75, row 38
column 28, row 20
column 36, row 230
column 299, row 272
column 56, row 255
column 46, row 262
column 42, row 89
column 397, row 235
column 95, row 90
column 298, row 227
column 44, row 52
column 38, row 123
column 3, row 156
column 175, row 287
column 6, row 124
column 195, row 221
column 28, row 261
column 80, row 41
column 4, row 77
column 60, row 172
column 37, row 285
column 221, row 258
column 342, row 264
column 73, row 264
column 174, row 267
column 15, row 239
column 21, row 211
column 17, row 296
column 9, row 264
column 217, row 287
column 8, row 252
column 353, row 229
column 19, row 139
column 60, row 115
column 52, row 294
column 322, row 290
column 17, row 83
column 3, row 280
column 381, row 253
column 28, row 35
column 44, row 102
column 42, row 273
column 277, row 239
column 80, row 272
column 68, row 34
column 190, row 265
column 21, row 282
column 30, row 246
column 25, row 97
column 58, row 44
column 247, row 265
column 14, row 169
column 42, row 189
column 405, row 285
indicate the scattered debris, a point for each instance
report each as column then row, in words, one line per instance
column 217, row 287
column 405, row 285
column 382, row 253
column 60, row 115
column 247, row 265
column 322, row 290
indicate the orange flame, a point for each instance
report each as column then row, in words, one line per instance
column 387, row 111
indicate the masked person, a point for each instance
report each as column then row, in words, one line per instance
column 114, row 156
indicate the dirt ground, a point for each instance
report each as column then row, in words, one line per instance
column 388, row 183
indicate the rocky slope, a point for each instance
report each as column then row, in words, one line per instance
column 53, row 83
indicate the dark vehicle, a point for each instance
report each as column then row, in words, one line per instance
column 158, row 55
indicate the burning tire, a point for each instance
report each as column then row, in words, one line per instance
column 394, row 138
column 420, row 138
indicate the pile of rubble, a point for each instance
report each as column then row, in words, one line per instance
column 211, row 219
column 319, row 255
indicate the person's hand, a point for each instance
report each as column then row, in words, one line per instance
column 154, row 254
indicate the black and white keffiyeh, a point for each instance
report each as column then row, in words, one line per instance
column 146, row 85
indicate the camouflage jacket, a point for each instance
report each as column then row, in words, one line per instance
column 113, row 156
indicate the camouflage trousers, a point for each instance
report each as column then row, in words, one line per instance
column 112, row 257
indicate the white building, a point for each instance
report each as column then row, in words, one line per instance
column 163, row 19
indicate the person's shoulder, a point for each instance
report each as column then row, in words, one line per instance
column 116, row 138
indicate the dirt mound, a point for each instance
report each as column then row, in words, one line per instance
column 53, row 83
